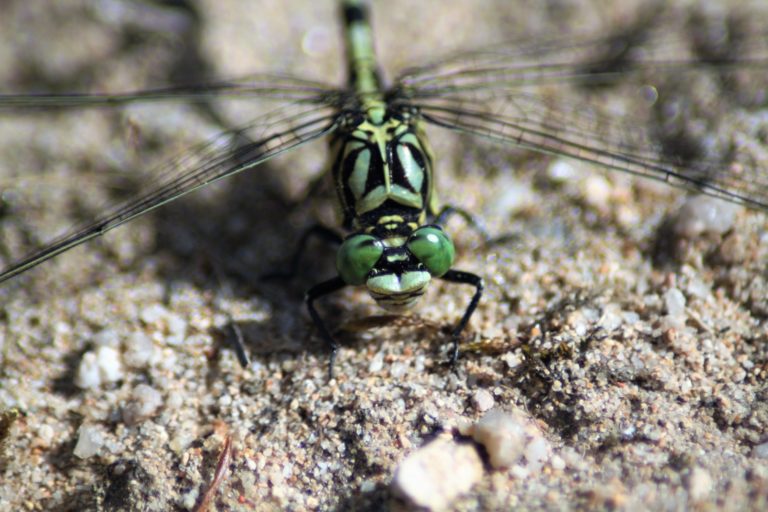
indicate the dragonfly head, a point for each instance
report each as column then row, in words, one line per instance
column 396, row 270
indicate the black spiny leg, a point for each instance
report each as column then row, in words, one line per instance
column 476, row 224
column 457, row 276
column 442, row 218
column 314, row 293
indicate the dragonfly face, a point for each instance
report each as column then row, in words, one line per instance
column 396, row 270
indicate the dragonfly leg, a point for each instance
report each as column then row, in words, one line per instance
column 317, row 231
column 460, row 277
column 314, row 293
column 474, row 222
column 238, row 344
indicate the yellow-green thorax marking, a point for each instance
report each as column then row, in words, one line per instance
column 382, row 169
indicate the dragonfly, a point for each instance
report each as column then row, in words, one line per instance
column 394, row 240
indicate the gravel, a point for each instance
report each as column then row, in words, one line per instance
column 614, row 362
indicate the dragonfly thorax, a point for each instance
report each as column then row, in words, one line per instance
column 382, row 170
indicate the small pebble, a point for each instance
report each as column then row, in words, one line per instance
column 577, row 321
column 483, row 400
column 107, row 338
column 508, row 437
column 596, row 191
column 732, row 250
column 45, row 435
column 611, row 318
column 698, row 288
column 88, row 372
column 511, row 360
column 182, row 439
column 153, row 313
column 189, row 500
column 704, row 214
column 175, row 400
column 557, row 463
column 760, row 451
column 433, row 476
column 397, row 370
column 139, row 350
column 537, row 453
column 177, row 324
column 89, row 441
column 99, row 367
column 377, row 363
column 110, row 368
column 562, row 171
column 146, row 401
column 674, row 301
column 699, row 484
column 172, row 324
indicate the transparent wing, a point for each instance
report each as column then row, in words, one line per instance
column 583, row 60
column 263, row 86
column 565, row 98
column 229, row 153
column 625, row 148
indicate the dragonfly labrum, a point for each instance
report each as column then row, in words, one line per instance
column 382, row 165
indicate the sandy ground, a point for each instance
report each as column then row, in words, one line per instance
column 639, row 357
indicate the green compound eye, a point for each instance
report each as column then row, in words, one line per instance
column 357, row 256
column 433, row 248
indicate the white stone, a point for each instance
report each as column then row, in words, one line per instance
column 146, row 401
column 698, row 288
column 110, row 367
column 537, row 452
column 182, row 439
column 760, row 451
column 611, row 319
column 674, row 301
column 88, row 372
column 437, row 473
column 377, row 363
column 99, row 367
column 153, row 313
column 704, row 214
column 596, row 191
column 45, row 435
column 89, row 441
column 189, row 500
column 557, row 463
column 140, row 350
column 699, row 484
column 483, row 400
column 107, row 338
column 561, row 171
column 511, row 196
column 508, row 437
column 177, row 324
